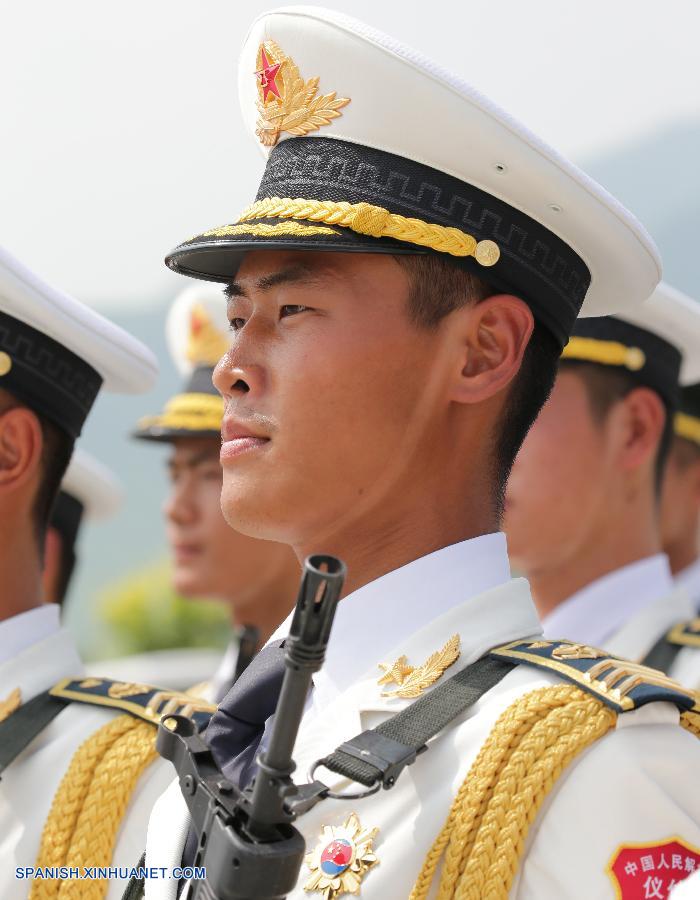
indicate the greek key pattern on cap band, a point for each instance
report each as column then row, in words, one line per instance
column 60, row 373
column 299, row 171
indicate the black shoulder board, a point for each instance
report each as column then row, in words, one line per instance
column 685, row 634
column 141, row 700
column 619, row 683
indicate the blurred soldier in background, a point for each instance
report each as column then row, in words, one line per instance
column 70, row 768
column 680, row 496
column 89, row 491
column 589, row 475
column 257, row 579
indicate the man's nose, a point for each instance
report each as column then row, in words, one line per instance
column 233, row 377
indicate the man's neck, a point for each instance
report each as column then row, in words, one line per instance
column 682, row 553
column 608, row 550
column 385, row 540
column 268, row 604
column 20, row 575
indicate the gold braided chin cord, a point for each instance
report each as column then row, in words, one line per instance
column 191, row 412
column 530, row 745
column 607, row 353
column 687, row 427
column 375, row 221
column 89, row 805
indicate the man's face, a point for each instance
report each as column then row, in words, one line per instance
column 337, row 387
column 557, row 489
column 680, row 493
column 209, row 558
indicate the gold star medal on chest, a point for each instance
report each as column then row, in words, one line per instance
column 341, row 859
column 286, row 101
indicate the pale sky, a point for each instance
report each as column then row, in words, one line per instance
column 120, row 133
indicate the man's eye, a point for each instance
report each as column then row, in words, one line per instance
column 236, row 323
column 291, row 310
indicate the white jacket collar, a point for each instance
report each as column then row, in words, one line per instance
column 39, row 666
column 600, row 609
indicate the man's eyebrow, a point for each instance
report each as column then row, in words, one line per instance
column 193, row 460
column 290, row 275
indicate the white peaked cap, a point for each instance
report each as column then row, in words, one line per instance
column 201, row 298
column 56, row 353
column 125, row 364
column 675, row 317
column 404, row 103
column 373, row 148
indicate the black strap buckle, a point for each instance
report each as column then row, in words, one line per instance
column 388, row 756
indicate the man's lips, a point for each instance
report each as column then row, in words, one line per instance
column 186, row 552
column 237, row 438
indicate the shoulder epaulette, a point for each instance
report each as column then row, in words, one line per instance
column 619, row 683
column 141, row 700
column 685, row 634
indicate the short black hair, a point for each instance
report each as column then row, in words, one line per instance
column 55, row 455
column 606, row 386
column 436, row 288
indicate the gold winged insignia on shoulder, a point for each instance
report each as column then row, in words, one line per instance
column 143, row 701
column 620, row 683
column 686, row 634
column 286, row 102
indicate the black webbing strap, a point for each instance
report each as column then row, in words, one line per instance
column 379, row 755
column 662, row 655
column 29, row 720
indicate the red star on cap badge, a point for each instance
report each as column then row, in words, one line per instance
column 267, row 76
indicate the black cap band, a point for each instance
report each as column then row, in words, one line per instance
column 45, row 375
column 646, row 357
column 533, row 263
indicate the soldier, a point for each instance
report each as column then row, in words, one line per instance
column 400, row 292
column 257, row 579
column 680, row 495
column 590, row 473
column 70, row 771
column 90, row 491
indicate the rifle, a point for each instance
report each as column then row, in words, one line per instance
column 245, row 838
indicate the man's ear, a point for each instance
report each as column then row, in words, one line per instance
column 643, row 416
column 21, row 443
column 493, row 336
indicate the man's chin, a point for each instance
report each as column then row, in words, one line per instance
column 188, row 584
column 245, row 511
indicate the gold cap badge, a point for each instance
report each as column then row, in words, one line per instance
column 286, row 102
column 206, row 344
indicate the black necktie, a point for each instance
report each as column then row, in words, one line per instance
column 247, row 646
column 236, row 728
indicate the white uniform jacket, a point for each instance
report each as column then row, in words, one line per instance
column 689, row 580
column 30, row 781
column 627, row 611
column 622, row 790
